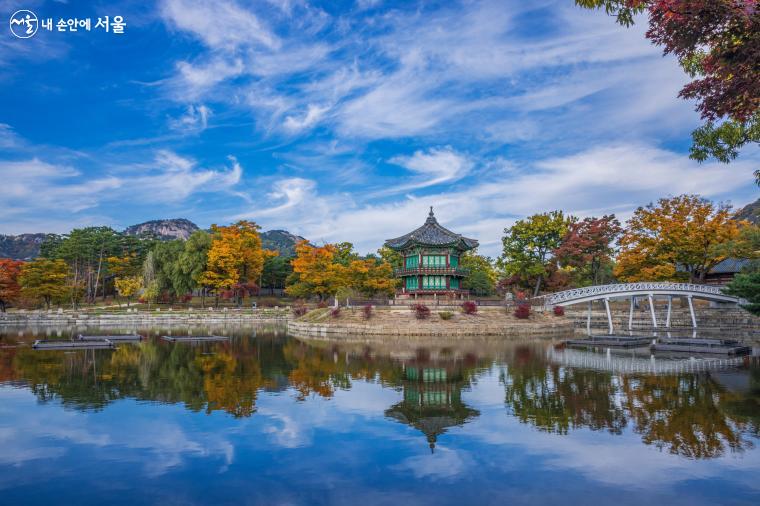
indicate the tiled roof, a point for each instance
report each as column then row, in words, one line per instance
column 432, row 234
column 730, row 265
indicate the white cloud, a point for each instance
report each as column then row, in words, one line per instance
column 436, row 166
column 195, row 119
column 310, row 118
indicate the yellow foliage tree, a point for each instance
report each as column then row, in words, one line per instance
column 44, row 280
column 235, row 259
column 128, row 286
column 681, row 238
column 370, row 277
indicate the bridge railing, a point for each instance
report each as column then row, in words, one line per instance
column 612, row 289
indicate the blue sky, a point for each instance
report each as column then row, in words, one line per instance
column 342, row 120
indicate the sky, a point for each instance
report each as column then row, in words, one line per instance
column 342, row 121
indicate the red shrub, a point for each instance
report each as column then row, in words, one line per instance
column 421, row 311
column 522, row 311
column 469, row 307
column 299, row 310
column 367, row 310
column 322, row 304
column 335, row 313
column 186, row 298
column 559, row 311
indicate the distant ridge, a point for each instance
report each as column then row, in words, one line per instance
column 27, row 246
column 750, row 212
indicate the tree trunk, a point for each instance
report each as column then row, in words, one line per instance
column 538, row 285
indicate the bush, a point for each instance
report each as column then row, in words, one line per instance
column 522, row 311
column 335, row 312
column 367, row 310
column 421, row 311
column 446, row 315
column 299, row 310
column 322, row 304
column 559, row 311
column 469, row 307
column 186, row 298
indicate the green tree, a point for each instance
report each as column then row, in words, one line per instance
column 193, row 261
column 529, row 243
column 481, row 280
column 276, row 272
column 44, row 280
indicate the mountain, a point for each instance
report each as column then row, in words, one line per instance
column 750, row 212
column 21, row 247
column 177, row 228
column 280, row 240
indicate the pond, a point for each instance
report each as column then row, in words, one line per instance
column 264, row 418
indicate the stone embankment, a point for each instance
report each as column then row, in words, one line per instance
column 43, row 318
column 490, row 322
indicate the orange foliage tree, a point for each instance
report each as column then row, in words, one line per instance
column 9, row 286
column 235, row 259
column 681, row 238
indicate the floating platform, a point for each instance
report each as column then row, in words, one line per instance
column 113, row 338
column 193, row 339
column 71, row 345
column 695, row 345
column 612, row 341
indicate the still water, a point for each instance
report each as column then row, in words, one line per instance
column 270, row 419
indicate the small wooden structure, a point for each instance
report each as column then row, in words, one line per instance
column 692, row 345
column 112, row 338
column 611, row 341
column 193, row 339
column 72, row 345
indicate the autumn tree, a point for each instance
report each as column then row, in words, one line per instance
column 315, row 271
column 529, row 244
column 44, row 280
column 587, row 246
column 371, row 277
column 9, row 284
column 128, row 286
column 679, row 238
column 717, row 42
column 235, row 258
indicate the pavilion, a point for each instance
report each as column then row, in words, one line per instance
column 431, row 260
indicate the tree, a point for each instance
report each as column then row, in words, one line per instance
column 529, row 243
column 680, row 238
column 45, row 280
column 588, row 246
column 747, row 284
column 481, row 279
column 371, row 277
column 275, row 273
column 717, row 43
column 127, row 287
column 315, row 271
column 235, row 258
column 391, row 256
column 9, row 285
column 193, row 260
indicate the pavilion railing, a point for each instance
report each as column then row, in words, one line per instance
column 410, row 271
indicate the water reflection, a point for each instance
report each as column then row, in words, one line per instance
column 695, row 415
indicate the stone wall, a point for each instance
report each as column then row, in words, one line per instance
column 42, row 318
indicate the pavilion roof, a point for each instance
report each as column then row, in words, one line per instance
column 432, row 234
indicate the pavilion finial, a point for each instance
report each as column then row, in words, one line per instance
column 431, row 212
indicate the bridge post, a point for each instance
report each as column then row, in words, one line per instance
column 670, row 306
column 588, row 319
column 630, row 312
column 609, row 314
column 651, row 310
column 691, row 311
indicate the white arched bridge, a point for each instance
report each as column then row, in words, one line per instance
column 634, row 291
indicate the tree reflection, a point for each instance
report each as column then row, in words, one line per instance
column 690, row 415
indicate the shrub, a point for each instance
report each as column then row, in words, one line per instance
column 299, row 310
column 469, row 307
column 186, row 298
column 335, row 312
column 522, row 311
column 446, row 315
column 559, row 311
column 367, row 310
column 322, row 304
column 421, row 311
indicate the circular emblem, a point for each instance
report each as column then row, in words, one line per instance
column 24, row 24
